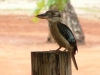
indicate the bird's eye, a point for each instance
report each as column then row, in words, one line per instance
column 50, row 14
column 53, row 14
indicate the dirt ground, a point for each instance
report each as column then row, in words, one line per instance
column 19, row 36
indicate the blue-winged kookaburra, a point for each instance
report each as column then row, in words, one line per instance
column 61, row 33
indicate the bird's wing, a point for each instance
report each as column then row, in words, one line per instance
column 67, row 34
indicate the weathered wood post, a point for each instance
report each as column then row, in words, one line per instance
column 51, row 63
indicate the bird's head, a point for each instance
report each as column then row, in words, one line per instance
column 51, row 16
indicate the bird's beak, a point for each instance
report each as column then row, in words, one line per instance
column 42, row 16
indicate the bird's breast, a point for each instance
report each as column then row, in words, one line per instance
column 61, row 41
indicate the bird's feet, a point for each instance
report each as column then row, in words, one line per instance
column 65, row 49
column 58, row 49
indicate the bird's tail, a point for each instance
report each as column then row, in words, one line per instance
column 74, row 61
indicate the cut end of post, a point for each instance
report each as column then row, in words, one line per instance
column 51, row 62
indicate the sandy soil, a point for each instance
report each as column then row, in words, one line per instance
column 19, row 36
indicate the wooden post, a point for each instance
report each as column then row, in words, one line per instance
column 51, row 63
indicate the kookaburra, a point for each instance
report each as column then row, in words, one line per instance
column 61, row 33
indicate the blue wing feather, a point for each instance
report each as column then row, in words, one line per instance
column 67, row 34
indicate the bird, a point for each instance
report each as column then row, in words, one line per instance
column 61, row 33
